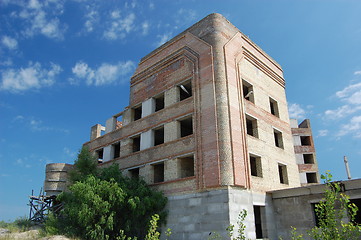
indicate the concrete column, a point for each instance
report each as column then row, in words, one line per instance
column 147, row 140
column 147, row 173
column 171, row 96
column 127, row 116
column 171, row 131
column 110, row 124
column 148, row 107
column 126, row 147
column 107, row 154
column 170, row 170
column 96, row 131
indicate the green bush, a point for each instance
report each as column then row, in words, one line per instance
column 102, row 204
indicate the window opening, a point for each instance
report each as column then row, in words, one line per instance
column 137, row 113
column 136, row 143
column 186, row 127
column 282, row 171
column 258, row 221
column 158, row 172
column 99, row 154
column 116, row 149
column 311, row 177
column 305, row 140
column 134, row 173
column 158, row 136
column 248, row 93
column 278, row 138
column 185, row 90
column 308, row 158
column 159, row 102
column 251, row 125
column 274, row 107
column 186, row 167
column 256, row 167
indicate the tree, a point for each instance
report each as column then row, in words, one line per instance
column 333, row 209
column 331, row 212
column 102, row 204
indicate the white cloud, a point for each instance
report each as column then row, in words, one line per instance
column 296, row 111
column 40, row 17
column 92, row 17
column 322, row 133
column 341, row 112
column 32, row 77
column 163, row 38
column 22, row 163
column 104, row 75
column 118, row 27
column 353, row 127
column 9, row 42
column 145, row 28
column 357, row 73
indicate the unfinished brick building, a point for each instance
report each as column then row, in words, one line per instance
column 208, row 125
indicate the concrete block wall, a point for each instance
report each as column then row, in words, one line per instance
column 199, row 215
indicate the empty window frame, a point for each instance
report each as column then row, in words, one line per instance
column 282, row 172
column 255, row 165
column 158, row 136
column 186, row 167
column 274, row 107
column 248, row 93
column 311, row 178
column 251, row 125
column 186, row 126
column 258, row 212
column 136, row 143
column 137, row 113
column 185, row 90
column 134, row 173
column 159, row 102
column 99, row 154
column 116, row 150
column 308, row 158
column 305, row 140
column 278, row 138
column 158, row 172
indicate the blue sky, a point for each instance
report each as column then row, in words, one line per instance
column 65, row 66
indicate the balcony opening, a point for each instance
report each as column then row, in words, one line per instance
column 273, row 107
column 308, row 158
column 99, row 154
column 186, row 127
column 256, row 166
column 186, row 167
column 248, row 93
column 305, row 140
column 159, row 102
column 158, row 172
column 136, row 143
column 278, row 138
column 251, row 125
column 311, row 177
column 116, row 150
column 134, row 173
column 282, row 171
column 159, row 136
column 185, row 90
column 137, row 113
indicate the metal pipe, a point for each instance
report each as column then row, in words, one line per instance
column 347, row 168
